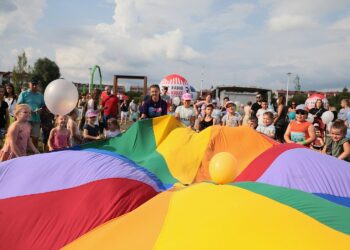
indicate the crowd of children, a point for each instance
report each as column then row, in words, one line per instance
column 285, row 124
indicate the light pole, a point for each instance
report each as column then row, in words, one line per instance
column 288, row 81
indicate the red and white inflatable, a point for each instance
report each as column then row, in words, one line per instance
column 177, row 85
column 310, row 102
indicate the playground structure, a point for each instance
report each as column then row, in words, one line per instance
column 115, row 80
column 91, row 83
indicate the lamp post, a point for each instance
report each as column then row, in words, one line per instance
column 288, row 81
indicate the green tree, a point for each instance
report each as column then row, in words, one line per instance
column 334, row 101
column 134, row 95
column 84, row 90
column 298, row 99
column 21, row 72
column 45, row 71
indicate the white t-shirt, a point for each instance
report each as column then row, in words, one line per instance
column 260, row 115
column 232, row 121
column 110, row 134
column 267, row 130
column 12, row 104
column 185, row 114
column 90, row 104
column 343, row 114
column 133, row 107
column 73, row 124
column 217, row 114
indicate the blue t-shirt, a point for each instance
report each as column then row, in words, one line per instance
column 154, row 109
column 35, row 100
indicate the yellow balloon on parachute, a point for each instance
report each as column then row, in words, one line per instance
column 223, row 168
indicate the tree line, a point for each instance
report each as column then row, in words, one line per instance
column 44, row 71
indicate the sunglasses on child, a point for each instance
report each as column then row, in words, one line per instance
column 301, row 112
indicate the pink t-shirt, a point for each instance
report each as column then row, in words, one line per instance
column 59, row 140
column 21, row 140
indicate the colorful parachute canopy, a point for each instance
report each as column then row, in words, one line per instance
column 239, row 216
column 293, row 166
column 173, row 152
column 48, row 200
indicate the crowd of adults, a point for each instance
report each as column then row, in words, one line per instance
column 100, row 110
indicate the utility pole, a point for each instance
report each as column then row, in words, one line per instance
column 297, row 83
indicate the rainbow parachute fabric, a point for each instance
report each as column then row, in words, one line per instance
column 74, row 198
column 240, row 216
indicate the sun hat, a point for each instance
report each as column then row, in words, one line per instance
column 91, row 113
column 187, row 97
column 229, row 102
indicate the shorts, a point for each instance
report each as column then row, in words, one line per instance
column 124, row 114
column 35, row 129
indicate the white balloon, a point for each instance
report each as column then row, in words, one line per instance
column 176, row 101
column 61, row 97
column 327, row 117
column 310, row 118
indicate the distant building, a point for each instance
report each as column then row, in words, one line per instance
column 5, row 76
column 308, row 93
column 240, row 94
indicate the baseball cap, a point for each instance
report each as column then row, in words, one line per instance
column 91, row 113
column 187, row 97
column 230, row 102
column 301, row 109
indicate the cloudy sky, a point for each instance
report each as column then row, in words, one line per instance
column 246, row 43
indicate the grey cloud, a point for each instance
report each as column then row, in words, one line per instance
column 7, row 6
